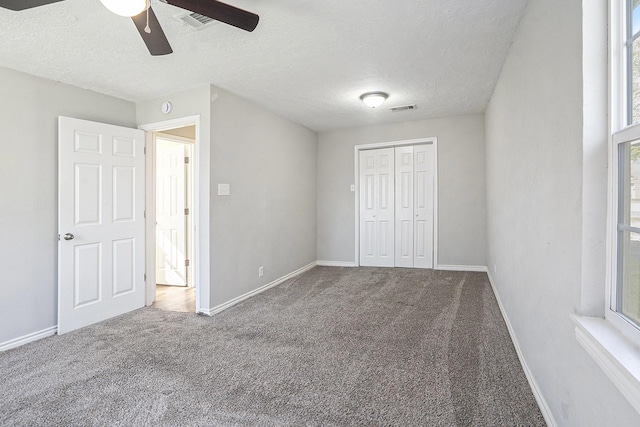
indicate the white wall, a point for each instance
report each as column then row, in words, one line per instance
column 29, row 108
column 269, row 219
column 535, row 212
column 461, row 188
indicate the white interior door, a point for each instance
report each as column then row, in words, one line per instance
column 171, row 220
column 424, row 166
column 404, row 206
column 377, row 207
column 100, row 222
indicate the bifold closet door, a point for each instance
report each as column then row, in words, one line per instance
column 404, row 214
column 414, row 206
column 377, row 207
column 423, row 171
column 396, row 206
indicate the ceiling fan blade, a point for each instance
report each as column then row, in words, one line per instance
column 220, row 12
column 24, row 4
column 156, row 41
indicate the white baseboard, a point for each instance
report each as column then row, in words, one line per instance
column 480, row 268
column 25, row 339
column 537, row 393
column 236, row 300
column 336, row 263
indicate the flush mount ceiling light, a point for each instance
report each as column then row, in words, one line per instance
column 373, row 99
column 126, row 7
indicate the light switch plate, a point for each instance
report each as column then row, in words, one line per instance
column 223, row 190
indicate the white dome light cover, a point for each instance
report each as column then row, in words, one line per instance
column 126, row 7
column 374, row 99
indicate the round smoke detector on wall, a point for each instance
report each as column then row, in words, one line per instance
column 166, row 107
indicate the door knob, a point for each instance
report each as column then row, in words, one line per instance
column 68, row 236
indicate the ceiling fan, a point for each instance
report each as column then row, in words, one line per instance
column 145, row 19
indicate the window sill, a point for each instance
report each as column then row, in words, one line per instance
column 618, row 357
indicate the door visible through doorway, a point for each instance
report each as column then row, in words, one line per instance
column 174, row 235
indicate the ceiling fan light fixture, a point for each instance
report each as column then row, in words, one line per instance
column 374, row 99
column 127, row 8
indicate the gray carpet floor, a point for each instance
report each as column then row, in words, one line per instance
column 332, row 347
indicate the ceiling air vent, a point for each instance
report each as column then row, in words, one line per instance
column 195, row 20
column 403, row 107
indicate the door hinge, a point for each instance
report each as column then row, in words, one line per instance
column 144, row 150
column 145, row 277
column 186, row 211
column 186, row 160
column 144, row 214
column 186, row 263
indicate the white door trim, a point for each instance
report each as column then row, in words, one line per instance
column 200, row 214
column 356, row 174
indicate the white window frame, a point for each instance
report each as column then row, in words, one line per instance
column 621, row 133
column 627, row 327
column 613, row 342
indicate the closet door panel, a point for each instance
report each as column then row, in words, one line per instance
column 404, row 206
column 423, row 201
column 377, row 196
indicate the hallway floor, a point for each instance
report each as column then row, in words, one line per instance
column 175, row 298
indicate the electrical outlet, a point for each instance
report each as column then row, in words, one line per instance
column 260, row 271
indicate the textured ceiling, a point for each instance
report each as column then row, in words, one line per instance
column 308, row 60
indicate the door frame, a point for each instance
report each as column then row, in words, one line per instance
column 373, row 146
column 200, row 245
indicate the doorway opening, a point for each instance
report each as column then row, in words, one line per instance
column 174, row 195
